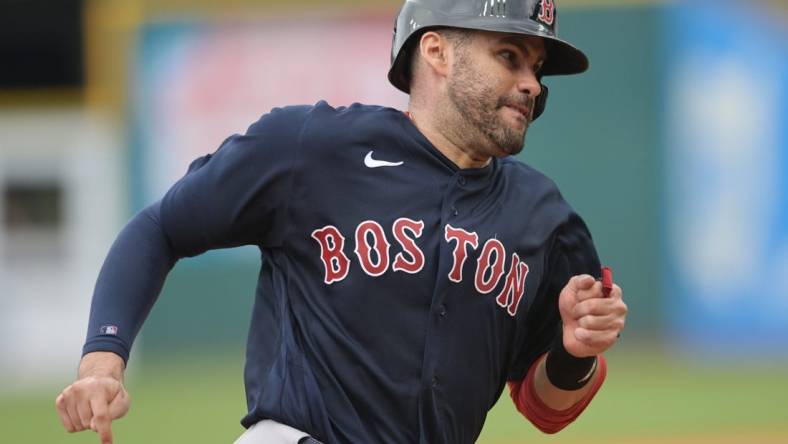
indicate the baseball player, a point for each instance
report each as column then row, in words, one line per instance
column 411, row 269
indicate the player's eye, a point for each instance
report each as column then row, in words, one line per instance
column 509, row 56
column 538, row 67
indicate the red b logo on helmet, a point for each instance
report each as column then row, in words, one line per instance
column 547, row 12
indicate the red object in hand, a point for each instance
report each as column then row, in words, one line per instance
column 607, row 281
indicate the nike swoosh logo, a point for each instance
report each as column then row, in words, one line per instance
column 374, row 163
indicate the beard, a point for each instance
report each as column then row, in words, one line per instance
column 478, row 106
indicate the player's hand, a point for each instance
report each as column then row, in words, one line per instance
column 96, row 398
column 592, row 322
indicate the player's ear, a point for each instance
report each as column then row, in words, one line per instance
column 434, row 51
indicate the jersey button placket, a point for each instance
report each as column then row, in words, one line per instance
column 461, row 182
column 436, row 335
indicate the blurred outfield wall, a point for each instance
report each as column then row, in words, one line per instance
column 726, row 180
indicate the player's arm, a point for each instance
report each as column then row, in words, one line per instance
column 129, row 282
column 237, row 196
column 562, row 382
column 584, row 321
column 591, row 321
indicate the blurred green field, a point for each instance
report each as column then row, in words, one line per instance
column 647, row 398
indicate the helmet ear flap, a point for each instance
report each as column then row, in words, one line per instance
column 541, row 102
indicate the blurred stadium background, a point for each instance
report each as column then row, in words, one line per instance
column 674, row 146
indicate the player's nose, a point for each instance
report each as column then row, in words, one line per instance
column 528, row 84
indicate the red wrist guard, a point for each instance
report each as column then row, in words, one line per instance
column 543, row 417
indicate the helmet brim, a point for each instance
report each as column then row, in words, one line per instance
column 562, row 57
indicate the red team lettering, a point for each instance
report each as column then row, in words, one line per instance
column 416, row 263
column 335, row 262
column 515, row 285
column 372, row 250
column 364, row 250
column 547, row 12
column 483, row 285
column 463, row 238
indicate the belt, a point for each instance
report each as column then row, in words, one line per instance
column 268, row 431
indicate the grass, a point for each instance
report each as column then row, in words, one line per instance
column 650, row 398
column 646, row 399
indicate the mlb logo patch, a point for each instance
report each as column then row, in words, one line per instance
column 109, row 330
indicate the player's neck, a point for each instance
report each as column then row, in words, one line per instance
column 461, row 156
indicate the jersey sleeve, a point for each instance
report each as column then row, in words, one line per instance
column 572, row 253
column 236, row 196
column 129, row 283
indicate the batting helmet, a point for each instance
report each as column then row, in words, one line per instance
column 529, row 17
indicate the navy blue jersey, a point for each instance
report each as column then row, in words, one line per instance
column 397, row 293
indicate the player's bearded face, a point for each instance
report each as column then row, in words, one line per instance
column 474, row 94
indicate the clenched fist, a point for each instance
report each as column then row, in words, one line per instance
column 592, row 322
column 96, row 398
